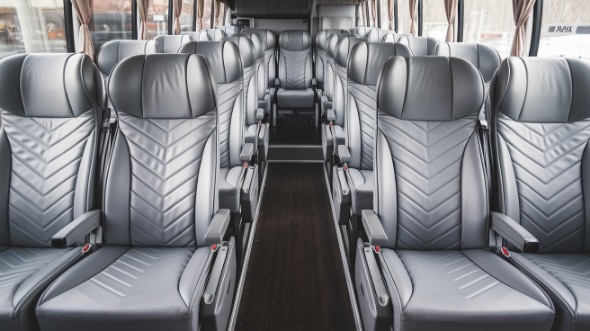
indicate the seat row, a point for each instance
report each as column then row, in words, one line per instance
column 465, row 226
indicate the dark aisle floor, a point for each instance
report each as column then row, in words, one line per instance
column 295, row 279
column 296, row 135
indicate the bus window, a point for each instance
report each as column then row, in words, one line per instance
column 435, row 19
column 186, row 16
column 565, row 30
column 385, row 23
column 31, row 26
column 111, row 20
column 490, row 22
column 157, row 20
column 403, row 9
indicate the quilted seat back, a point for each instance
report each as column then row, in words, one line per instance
column 295, row 65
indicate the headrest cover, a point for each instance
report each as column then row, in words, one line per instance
column 542, row 90
column 246, row 50
column 321, row 38
column 164, row 86
column 485, row 58
column 333, row 40
column 420, row 46
column 430, row 88
column 295, row 40
column 223, row 58
column 256, row 41
column 343, row 48
column 171, row 43
column 49, row 85
column 267, row 36
column 113, row 52
column 367, row 60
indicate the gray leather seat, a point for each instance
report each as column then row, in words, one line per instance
column 171, row 43
column 365, row 64
column 230, row 30
column 48, row 154
column 431, row 211
column 321, row 46
column 157, row 269
column 420, row 46
column 115, row 51
column 295, row 70
column 483, row 57
column 270, row 59
column 362, row 31
column 195, row 35
column 540, row 112
column 328, row 92
column 334, row 132
column 210, row 35
column 380, row 35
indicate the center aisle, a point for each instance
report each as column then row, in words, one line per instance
column 295, row 278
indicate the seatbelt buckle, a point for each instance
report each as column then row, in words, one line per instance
column 504, row 252
column 377, row 249
column 86, row 249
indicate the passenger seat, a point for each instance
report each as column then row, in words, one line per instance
column 295, row 83
column 166, row 264
column 50, row 108
column 328, row 93
column 381, row 36
column 270, row 59
column 425, row 265
column 420, row 46
column 540, row 127
column 171, row 43
column 210, row 35
column 482, row 56
column 321, row 47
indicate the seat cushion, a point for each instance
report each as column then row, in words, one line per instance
column 24, row 274
column 229, row 188
column 295, row 98
column 361, row 189
column 463, row 290
column 120, row 288
column 566, row 277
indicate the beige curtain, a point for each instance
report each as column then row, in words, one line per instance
column 177, row 12
column 522, row 10
column 374, row 12
column 219, row 11
column 200, row 12
column 84, row 13
column 390, row 14
column 451, row 10
column 142, row 6
column 413, row 14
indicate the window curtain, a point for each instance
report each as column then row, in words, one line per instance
column 84, row 14
column 413, row 18
column 200, row 12
column 142, row 6
column 451, row 11
column 390, row 14
column 522, row 10
column 177, row 12
column 219, row 11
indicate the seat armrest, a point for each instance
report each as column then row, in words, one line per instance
column 373, row 228
column 277, row 82
column 77, row 229
column 514, row 233
column 259, row 114
column 247, row 152
column 331, row 115
column 217, row 227
column 328, row 134
column 343, row 153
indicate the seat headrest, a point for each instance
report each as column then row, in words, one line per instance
column 484, row 57
column 210, row 35
column 542, row 90
column 321, row 38
column 171, row 43
column 113, row 52
column 380, row 35
column 230, row 30
column 223, row 58
column 420, row 46
column 430, row 88
column 194, row 35
column 343, row 48
column 333, row 40
column 246, row 49
column 256, row 41
column 295, row 40
column 162, row 86
column 267, row 36
column 367, row 59
column 49, row 85
column 361, row 31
